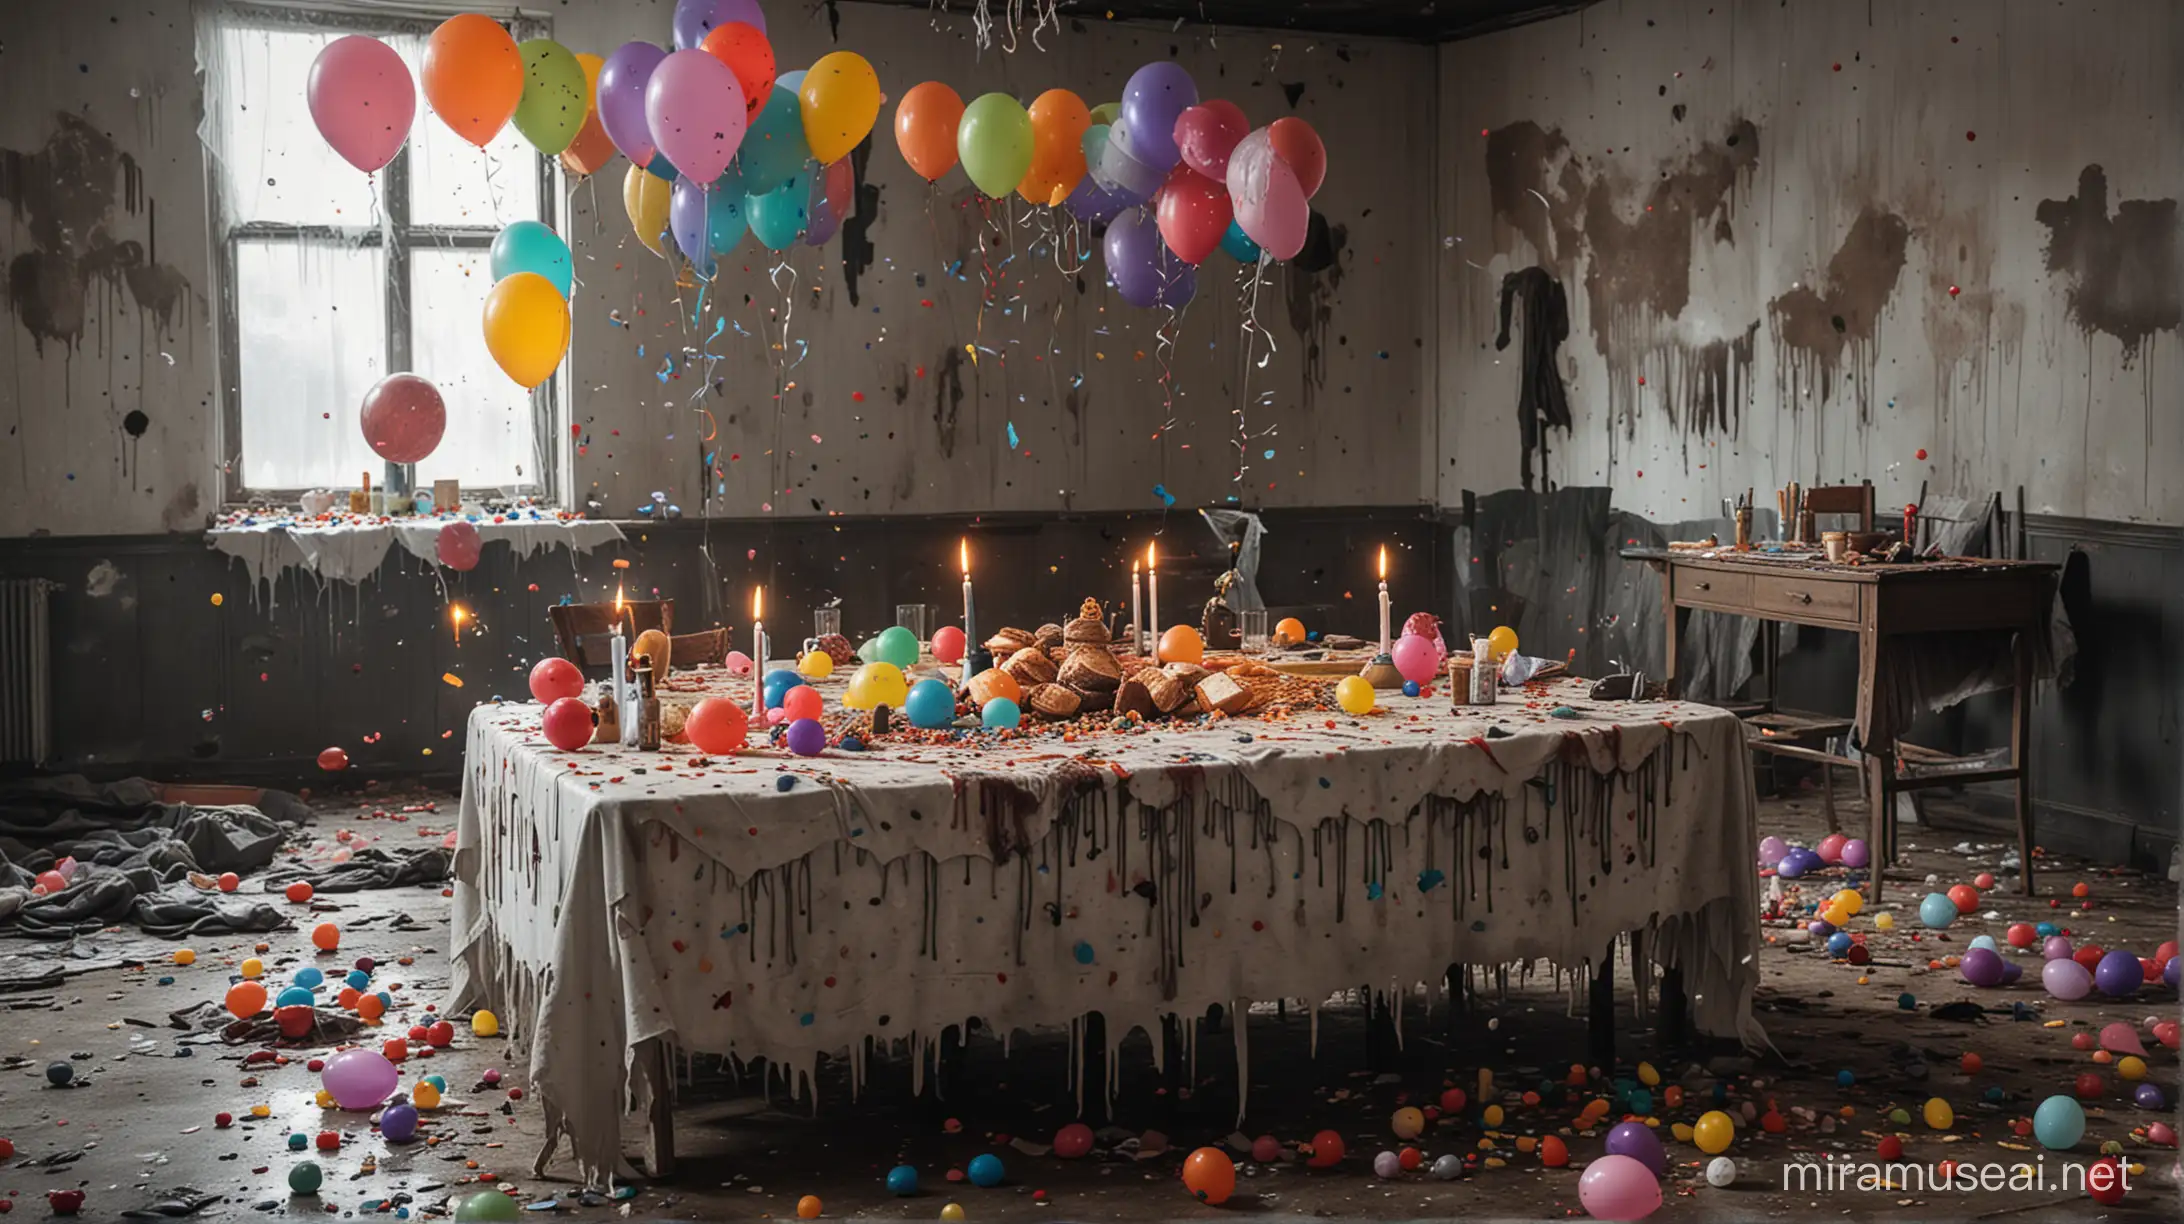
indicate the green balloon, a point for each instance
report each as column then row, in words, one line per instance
column 551, row 111
column 1109, row 113
column 869, row 652
column 487, row 1207
column 995, row 143
column 306, row 1178
column 898, row 646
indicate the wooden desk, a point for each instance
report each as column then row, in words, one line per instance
column 1882, row 604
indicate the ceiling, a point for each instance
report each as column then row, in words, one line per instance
column 1418, row 20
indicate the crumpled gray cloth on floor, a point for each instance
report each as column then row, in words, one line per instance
column 370, row 867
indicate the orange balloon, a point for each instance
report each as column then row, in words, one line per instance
column 1290, row 628
column 1059, row 121
column 348, row 997
column 1181, row 644
column 592, row 148
column 326, row 936
column 245, row 999
column 1297, row 144
column 473, row 77
column 1209, row 1174
column 371, row 1007
column 743, row 47
column 925, row 129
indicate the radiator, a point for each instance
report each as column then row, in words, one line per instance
column 26, row 673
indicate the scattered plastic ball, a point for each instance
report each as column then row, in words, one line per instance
column 398, row 1123
column 307, row 1177
column 807, row 737
column 1938, row 1114
column 809, row 1206
column 1713, row 1132
column 1937, row 911
column 1001, row 714
column 2058, row 1123
column 1327, row 1150
column 985, row 1170
column 245, row 999
column 484, row 1024
column 426, row 1095
column 1721, row 1172
column 1354, row 694
column 59, row 1073
column 329, row 1141
column 326, row 937
column 1210, row 1176
column 1964, row 897
column 952, row 1213
column 902, row 1180
column 1618, row 1188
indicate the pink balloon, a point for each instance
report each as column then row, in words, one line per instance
column 1193, row 214
column 359, row 1079
column 737, row 663
column 363, row 99
column 555, row 678
column 403, row 418
column 568, row 724
column 1270, row 203
column 694, row 106
column 1073, row 1141
column 1207, row 133
column 459, row 546
column 1617, row 1187
column 1416, row 658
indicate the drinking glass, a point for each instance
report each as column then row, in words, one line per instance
column 911, row 616
column 1251, row 623
column 826, row 621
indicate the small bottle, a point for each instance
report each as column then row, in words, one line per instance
column 608, row 729
column 1484, row 678
column 360, row 499
column 648, row 710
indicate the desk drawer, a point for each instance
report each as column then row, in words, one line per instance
column 1805, row 599
column 1714, row 589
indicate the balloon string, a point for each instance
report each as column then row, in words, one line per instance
column 1253, row 334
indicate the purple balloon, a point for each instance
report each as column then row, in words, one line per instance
column 707, row 224
column 807, row 737
column 694, row 19
column 1791, row 866
column 1143, row 271
column 821, row 222
column 1821, row 928
column 2011, row 971
column 1772, row 849
column 2119, row 975
column 1637, row 1141
column 1155, row 98
column 1981, row 967
column 2057, row 947
column 694, row 107
column 398, row 1123
column 622, row 80
column 2149, row 1096
column 2066, row 979
column 1855, row 853
column 1096, row 205
column 359, row 1079
column 2169, row 971
column 1121, row 169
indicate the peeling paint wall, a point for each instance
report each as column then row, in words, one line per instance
column 1811, row 240
column 109, row 399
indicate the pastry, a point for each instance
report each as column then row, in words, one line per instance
column 1006, row 642
column 1186, row 674
column 1089, row 629
column 1165, row 690
column 1049, row 636
column 1218, row 692
column 1134, row 698
column 1094, row 701
column 1092, row 667
column 1030, row 666
column 1055, row 701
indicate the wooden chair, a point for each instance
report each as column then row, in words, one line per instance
column 1842, row 499
column 581, row 630
column 708, row 648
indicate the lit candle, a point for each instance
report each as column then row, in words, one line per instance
column 758, row 655
column 1137, row 595
column 1383, row 599
column 1152, row 586
column 970, row 633
column 456, row 613
column 617, row 657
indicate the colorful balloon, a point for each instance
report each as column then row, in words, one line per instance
column 707, row 222
column 553, row 678
column 1096, row 205
column 778, row 216
column 1210, row 1175
column 2058, row 1123
column 1299, row 146
column 1194, row 214
column 925, row 128
column 1059, row 121
column 245, row 999
column 551, row 111
column 568, row 724
column 717, row 726
column 359, row 1079
column 1637, row 1141
column 622, row 81
column 593, row 148
column 1207, row 133
column 1239, row 245
column 1144, row 272
column 403, row 417
column 948, row 644
column 527, row 327
column 647, row 197
column 995, row 142
column 694, row 19
column 1416, row 659
column 363, row 100
column 1618, row 1188
column 1354, row 694
column 1122, row 169
column 1270, row 204
column 473, row 76
column 695, row 110
column 774, row 149
column 841, row 97
column 931, row 704
column 1155, row 98
column 531, row 246
column 458, row 546
column 745, row 49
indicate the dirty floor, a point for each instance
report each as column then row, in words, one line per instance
column 138, row 1128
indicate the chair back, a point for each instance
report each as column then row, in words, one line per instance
column 1854, row 499
column 580, row 630
column 707, row 648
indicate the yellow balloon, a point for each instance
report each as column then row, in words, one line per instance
column 251, row 968
column 1836, row 916
column 876, row 684
column 1648, row 1075
column 1939, row 1115
column 1714, row 1132
column 527, row 327
column 1503, row 642
column 817, row 665
column 2131, row 1067
column 484, row 1023
column 645, row 198
column 1884, row 922
column 1354, row 694
column 1850, row 900
column 841, row 98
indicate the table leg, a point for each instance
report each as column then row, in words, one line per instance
column 1880, row 770
column 1600, row 1016
column 1094, row 1066
column 2020, row 747
column 1671, row 628
column 660, row 1131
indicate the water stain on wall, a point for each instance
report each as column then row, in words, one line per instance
column 948, row 398
column 1313, row 279
column 2125, row 272
column 65, row 194
column 1818, row 328
column 857, row 250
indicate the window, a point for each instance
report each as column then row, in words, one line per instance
column 331, row 279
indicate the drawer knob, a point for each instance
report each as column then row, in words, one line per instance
column 1706, row 586
column 1803, row 597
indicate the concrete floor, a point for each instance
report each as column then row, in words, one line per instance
column 140, row 1119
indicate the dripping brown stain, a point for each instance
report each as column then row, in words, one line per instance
column 1313, row 279
column 1818, row 326
column 2123, row 271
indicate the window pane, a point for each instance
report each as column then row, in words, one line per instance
column 490, row 436
column 278, row 167
column 453, row 183
column 311, row 336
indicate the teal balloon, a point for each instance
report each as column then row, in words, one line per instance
column 1001, row 714
column 931, row 704
column 1095, row 145
column 663, row 169
column 869, row 650
column 793, row 81
column 898, row 646
column 777, row 217
column 725, row 221
column 1937, row 911
column 1239, row 245
column 306, row 1178
column 528, row 246
column 773, row 149
column 2059, row 1123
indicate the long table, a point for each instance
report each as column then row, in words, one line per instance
column 613, row 904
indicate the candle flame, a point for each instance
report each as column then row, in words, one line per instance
column 1152, row 555
column 758, row 602
column 1133, row 568
column 1383, row 563
column 963, row 555
column 618, row 600
column 456, row 613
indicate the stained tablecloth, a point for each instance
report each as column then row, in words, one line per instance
column 351, row 551
column 768, row 905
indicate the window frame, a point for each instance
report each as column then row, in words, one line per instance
column 396, row 238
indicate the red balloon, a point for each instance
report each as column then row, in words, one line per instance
column 1965, row 897
column 841, row 188
column 555, row 678
column 1296, row 143
column 333, row 760
column 2090, row 1086
column 296, row 1020
column 1194, row 214
column 2089, row 956
column 459, row 546
column 803, row 701
column 568, row 724
column 717, row 726
column 948, row 644
column 745, row 49
column 1207, row 133
column 2106, row 1182
column 403, row 418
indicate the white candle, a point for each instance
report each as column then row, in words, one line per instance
column 1152, row 585
column 758, row 655
column 618, row 652
column 970, row 631
column 1383, row 599
column 1137, row 594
